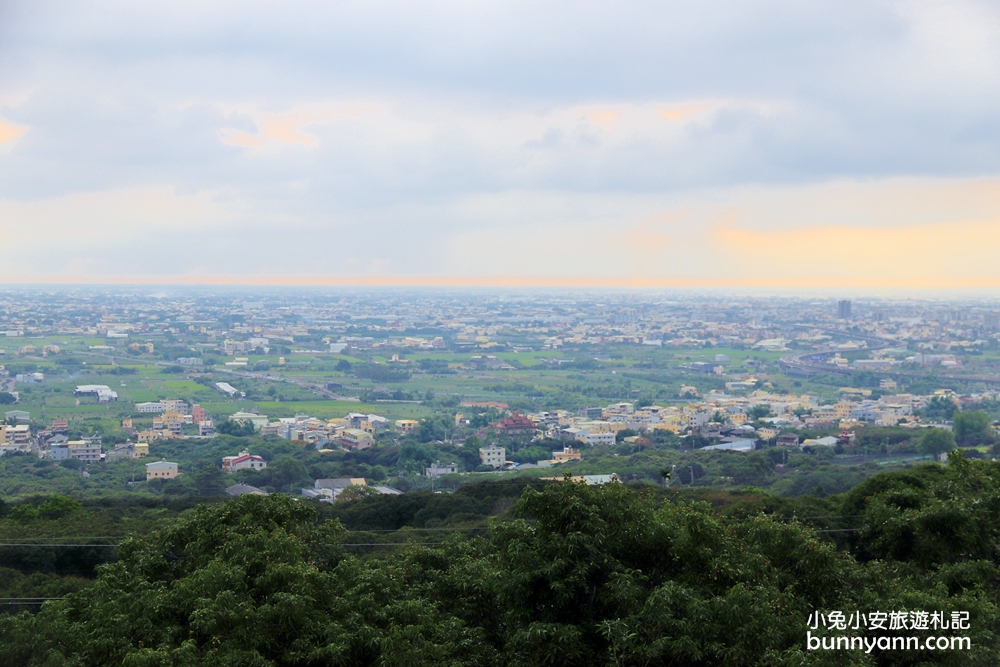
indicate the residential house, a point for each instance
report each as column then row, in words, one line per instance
column 567, row 454
column 407, row 426
column 493, row 456
column 237, row 490
column 354, row 438
column 437, row 469
column 243, row 461
column 514, row 424
column 787, row 440
column 161, row 470
column 123, row 451
column 88, row 452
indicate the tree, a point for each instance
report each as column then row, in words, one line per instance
column 759, row 412
column 936, row 441
column 939, row 409
column 287, row 471
column 210, row 481
column 624, row 433
column 7, row 398
column 973, row 428
column 237, row 428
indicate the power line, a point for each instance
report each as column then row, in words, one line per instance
column 386, row 544
column 50, row 544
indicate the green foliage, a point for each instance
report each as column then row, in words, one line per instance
column 939, row 409
column 235, row 428
column 936, row 441
column 286, row 472
column 55, row 507
column 6, row 398
column 381, row 373
column 973, row 428
column 210, row 481
column 570, row 575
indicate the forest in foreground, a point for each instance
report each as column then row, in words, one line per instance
column 563, row 574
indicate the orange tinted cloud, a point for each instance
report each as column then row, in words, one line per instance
column 605, row 118
column 944, row 254
column 9, row 132
column 679, row 113
column 287, row 128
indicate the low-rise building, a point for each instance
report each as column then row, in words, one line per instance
column 437, row 469
column 150, row 406
column 161, row 470
column 175, row 405
column 84, row 451
column 493, row 456
column 567, row 454
column 243, row 461
column 355, row 438
column 18, row 435
column 149, row 435
column 59, row 452
column 407, row 426
column 123, row 451
column 787, row 440
column 102, row 392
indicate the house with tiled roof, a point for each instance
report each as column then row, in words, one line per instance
column 244, row 461
column 514, row 424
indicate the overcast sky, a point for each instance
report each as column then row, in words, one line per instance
column 644, row 143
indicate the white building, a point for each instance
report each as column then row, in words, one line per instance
column 438, row 469
column 103, row 392
column 244, row 461
column 227, row 389
column 593, row 439
column 149, row 407
column 493, row 456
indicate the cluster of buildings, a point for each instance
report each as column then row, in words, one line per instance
column 172, row 415
column 355, row 431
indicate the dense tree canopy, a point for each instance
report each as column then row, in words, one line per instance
column 576, row 575
column 973, row 428
column 936, row 441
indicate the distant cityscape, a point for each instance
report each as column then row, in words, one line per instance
column 498, row 371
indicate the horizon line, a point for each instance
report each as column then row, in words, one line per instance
column 501, row 281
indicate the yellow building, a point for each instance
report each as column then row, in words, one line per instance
column 567, row 454
column 148, row 436
column 141, row 449
column 842, row 410
column 171, row 418
column 406, row 426
column 127, row 422
column 161, row 470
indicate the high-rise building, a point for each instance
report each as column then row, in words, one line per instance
column 844, row 309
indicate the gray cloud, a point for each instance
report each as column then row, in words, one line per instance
column 468, row 102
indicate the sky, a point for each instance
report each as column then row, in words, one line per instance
column 721, row 143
